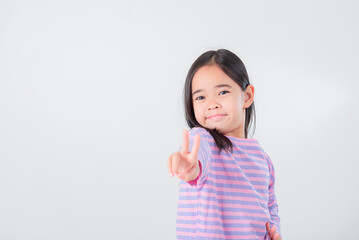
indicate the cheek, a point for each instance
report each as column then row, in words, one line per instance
column 234, row 107
column 232, row 104
column 238, row 103
column 198, row 113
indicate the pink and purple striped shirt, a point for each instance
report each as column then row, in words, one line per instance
column 233, row 197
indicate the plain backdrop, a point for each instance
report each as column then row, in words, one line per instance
column 91, row 108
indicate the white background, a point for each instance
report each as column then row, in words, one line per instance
column 91, row 108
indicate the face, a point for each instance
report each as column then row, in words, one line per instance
column 219, row 102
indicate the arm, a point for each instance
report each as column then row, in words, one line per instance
column 272, row 203
column 191, row 163
column 204, row 155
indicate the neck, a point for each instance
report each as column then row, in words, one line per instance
column 238, row 133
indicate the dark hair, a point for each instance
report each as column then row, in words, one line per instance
column 231, row 65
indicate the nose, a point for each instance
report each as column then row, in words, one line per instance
column 213, row 105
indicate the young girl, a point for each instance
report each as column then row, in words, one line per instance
column 227, row 179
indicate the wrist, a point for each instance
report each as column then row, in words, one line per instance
column 194, row 173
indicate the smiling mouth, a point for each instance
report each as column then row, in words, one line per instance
column 216, row 117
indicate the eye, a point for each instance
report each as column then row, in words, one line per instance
column 224, row 91
column 199, row 97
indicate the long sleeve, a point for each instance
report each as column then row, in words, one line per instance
column 204, row 154
column 272, row 202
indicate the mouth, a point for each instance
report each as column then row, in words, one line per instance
column 216, row 117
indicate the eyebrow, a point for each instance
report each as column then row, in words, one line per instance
column 217, row 86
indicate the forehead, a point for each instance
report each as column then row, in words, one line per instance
column 207, row 77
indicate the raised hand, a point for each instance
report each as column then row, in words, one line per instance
column 273, row 235
column 184, row 164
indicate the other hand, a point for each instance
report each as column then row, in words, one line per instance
column 273, row 235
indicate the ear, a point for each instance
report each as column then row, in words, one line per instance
column 248, row 96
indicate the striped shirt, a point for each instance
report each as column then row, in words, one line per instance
column 233, row 196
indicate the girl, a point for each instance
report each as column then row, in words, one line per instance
column 227, row 187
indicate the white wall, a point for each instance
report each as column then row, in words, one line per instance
column 91, row 108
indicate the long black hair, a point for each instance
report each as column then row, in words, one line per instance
column 231, row 65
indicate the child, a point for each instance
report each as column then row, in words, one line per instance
column 227, row 187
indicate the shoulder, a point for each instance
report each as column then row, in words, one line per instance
column 268, row 159
column 205, row 135
column 198, row 130
column 261, row 151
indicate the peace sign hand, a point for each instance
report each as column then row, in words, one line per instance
column 184, row 164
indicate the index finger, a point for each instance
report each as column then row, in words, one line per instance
column 195, row 148
column 185, row 143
